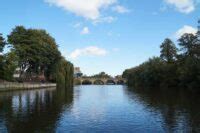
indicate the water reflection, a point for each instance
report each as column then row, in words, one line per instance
column 99, row 109
column 30, row 111
column 180, row 110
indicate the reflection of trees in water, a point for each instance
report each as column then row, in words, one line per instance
column 34, row 111
column 179, row 110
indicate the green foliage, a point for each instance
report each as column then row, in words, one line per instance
column 149, row 74
column 101, row 75
column 168, row 51
column 2, row 43
column 189, row 73
column 36, row 50
column 8, row 66
column 7, row 62
column 170, row 69
column 189, row 45
column 36, row 53
column 62, row 73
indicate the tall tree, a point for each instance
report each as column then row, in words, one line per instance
column 9, row 65
column 36, row 50
column 198, row 32
column 2, row 43
column 189, row 45
column 198, row 42
column 39, row 57
column 168, row 51
column 18, row 38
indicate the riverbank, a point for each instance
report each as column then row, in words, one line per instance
column 13, row 86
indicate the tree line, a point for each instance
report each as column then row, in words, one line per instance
column 35, row 53
column 176, row 67
column 99, row 75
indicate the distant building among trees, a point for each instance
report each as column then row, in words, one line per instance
column 16, row 74
column 77, row 72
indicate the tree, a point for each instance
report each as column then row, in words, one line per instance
column 181, row 70
column 168, row 51
column 19, row 40
column 2, row 43
column 189, row 45
column 9, row 65
column 36, row 53
column 36, row 50
column 198, row 32
column 101, row 75
column 189, row 61
column 62, row 72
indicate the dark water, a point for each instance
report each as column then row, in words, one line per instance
column 99, row 109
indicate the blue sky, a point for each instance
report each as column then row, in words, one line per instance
column 104, row 35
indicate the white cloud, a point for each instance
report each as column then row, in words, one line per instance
column 90, row 9
column 88, row 51
column 85, row 30
column 183, row 6
column 120, row 9
column 185, row 29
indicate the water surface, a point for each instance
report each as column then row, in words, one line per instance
column 99, row 109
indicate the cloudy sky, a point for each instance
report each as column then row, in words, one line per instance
column 104, row 35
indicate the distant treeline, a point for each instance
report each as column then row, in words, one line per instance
column 34, row 53
column 176, row 67
column 99, row 75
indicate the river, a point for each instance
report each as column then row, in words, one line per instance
column 116, row 109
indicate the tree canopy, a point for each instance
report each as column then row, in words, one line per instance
column 101, row 75
column 36, row 49
column 36, row 53
column 2, row 43
column 172, row 69
column 168, row 51
column 189, row 45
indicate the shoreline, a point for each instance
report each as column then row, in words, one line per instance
column 14, row 86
